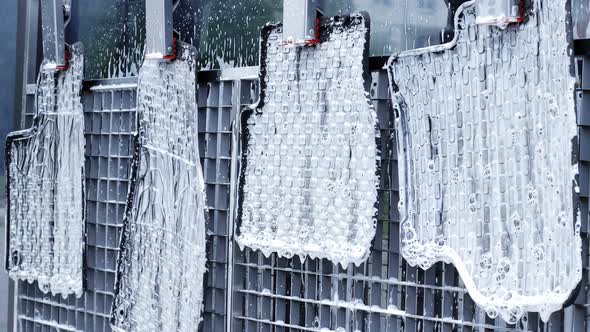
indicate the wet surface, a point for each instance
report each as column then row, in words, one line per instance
column 485, row 134
column 310, row 172
column 45, row 185
column 162, row 260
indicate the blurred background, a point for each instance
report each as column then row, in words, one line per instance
column 7, row 115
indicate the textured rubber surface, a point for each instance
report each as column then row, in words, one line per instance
column 162, row 261
column 46, row 216
column 309, row 172
column 486, row 134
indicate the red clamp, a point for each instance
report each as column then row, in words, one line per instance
column 174, row 49
column 317, row 33
column 66, row 66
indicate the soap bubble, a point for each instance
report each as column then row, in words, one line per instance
column 539, row 252
column 492, row 312
column 486, row 261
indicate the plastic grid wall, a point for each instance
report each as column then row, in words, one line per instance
column 216, row 113
column 272, row 294
column 110, row 119
column 277, row 294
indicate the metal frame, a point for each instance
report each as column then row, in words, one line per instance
column 27, row 62
column 300, row 25
column 28, row 58
column 414, row 282
column 502, row 12
column 159, row 35
column 243, row 83
column 221, row 95
column 53, row 31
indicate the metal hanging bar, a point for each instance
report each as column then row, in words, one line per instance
column 159, row 33
column 500, row 12
column 52, row 29
column 300, row 21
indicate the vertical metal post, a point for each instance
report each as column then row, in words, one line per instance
column 52, row 29
column 234, row 167
column 28, row 57
column 159, row 25
column 300, row 21
column 499, row 12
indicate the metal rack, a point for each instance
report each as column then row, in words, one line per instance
column 244, row 290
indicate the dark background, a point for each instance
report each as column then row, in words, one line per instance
column 7, row 81
column 7, row 72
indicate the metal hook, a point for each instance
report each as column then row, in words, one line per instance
column 67, row 12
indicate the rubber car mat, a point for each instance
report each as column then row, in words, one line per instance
column 486, row 134
column 309, row 158
column 161, row 264
column 45, row 169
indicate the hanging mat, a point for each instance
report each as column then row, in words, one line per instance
column 486, row 126
column 45, row 167
column 161, row 265
column 308, row 177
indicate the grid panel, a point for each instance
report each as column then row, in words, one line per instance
column 215, row 117
column 272, row 294
column 109, row 122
